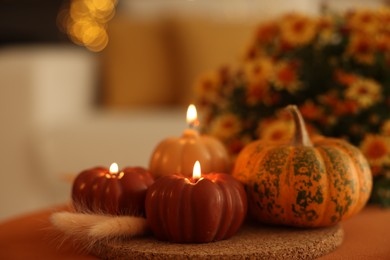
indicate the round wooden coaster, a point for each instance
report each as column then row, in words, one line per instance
column 252, row 241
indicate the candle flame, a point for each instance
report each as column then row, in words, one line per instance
column 196, row 173
column 114, row 168
column 192, row 116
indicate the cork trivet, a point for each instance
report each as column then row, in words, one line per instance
column 251, row 242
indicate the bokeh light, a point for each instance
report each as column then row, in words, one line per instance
column 85, row 22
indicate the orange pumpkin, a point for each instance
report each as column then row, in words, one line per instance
column 303, row 183
column 177, row 155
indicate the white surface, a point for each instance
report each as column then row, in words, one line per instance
column 40, row 86
column 55, row 83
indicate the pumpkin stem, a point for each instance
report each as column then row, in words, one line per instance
column 300, row 135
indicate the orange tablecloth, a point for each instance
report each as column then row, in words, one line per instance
column 367, row 236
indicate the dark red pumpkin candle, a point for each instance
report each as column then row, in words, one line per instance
column 196, row 210
column 114, row 192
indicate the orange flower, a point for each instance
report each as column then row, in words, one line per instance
column 226, row 126
column 365, row 92
column 285, row 77
column 348, row 107
column 208, row 86
column 257, row 93
column 363, row 20
column 345, row 78
column 329, row 98
column 339, row 107
column 361, row 48
column 311, row 111
column 267, row 32
column 385, row 129
column 376, row 148
column 383, row 16
column 275, row 130
column 297, row 29
column 383, row 42
column 258, row 71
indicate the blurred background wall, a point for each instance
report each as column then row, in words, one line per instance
column 182, row 39
column 87, row 82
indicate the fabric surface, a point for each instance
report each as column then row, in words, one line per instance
column 31, row 236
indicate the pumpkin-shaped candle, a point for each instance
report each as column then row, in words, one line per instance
column 200, row 209
column 178, row 154
column 110, row 191
column 305, row 182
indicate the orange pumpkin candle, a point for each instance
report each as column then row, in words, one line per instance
column 178, row 154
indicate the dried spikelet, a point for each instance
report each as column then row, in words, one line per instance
column 90, row 229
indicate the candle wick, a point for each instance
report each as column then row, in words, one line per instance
column 196, row 179
column 193, row 124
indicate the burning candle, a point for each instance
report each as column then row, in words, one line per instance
column 178, row 154
column 201, row 209
column 110, row 191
